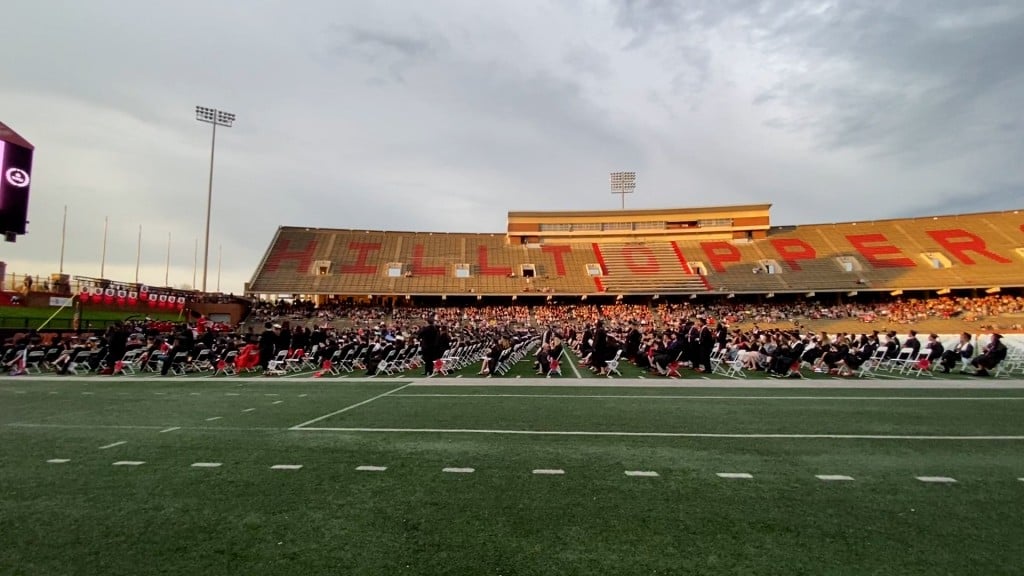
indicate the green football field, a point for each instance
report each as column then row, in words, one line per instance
column 306, row 476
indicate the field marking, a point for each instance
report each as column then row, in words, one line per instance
column 206, row 465
column 959, row 383
column 549, row 471
column 160, row 393
column 193, row 394
column 271, row 394
column 657, row 434
column 232, row 394
column 248, row 410
column 860, row 384
column 572, row 364
column 642, row 473
column 171, row 429
column 735, row 475
column 458, row 470
column 277, row 401
column 347, row 408
column 143, row 427
column 108, row 446
column 58, row 461
column 213, row 418
column 937, row 479
column 704, row 397
column 1020, row 479
column 128, row 463
column 834, row 478
column 303, row 395
column 286, row 466
column 87, row 393
column 371, row 468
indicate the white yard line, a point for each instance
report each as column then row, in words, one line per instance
column 171, row 429
column 458, row 470
column 571, row 358
column 58, row 461
column 689, row 397
column 735, row 475
column 286, row 467
column 128, row 463
column 658, row 434
column 109, row 446
column 642, row 473
column 549, row 471
column 834, row 478
column 937, row 479
column 213, row 418
column 979, row 384
column 347, row 408
column 206, row 465
column 371, row 468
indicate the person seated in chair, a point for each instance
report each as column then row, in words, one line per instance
column 963, row 350
column 994, row 353
column 935, row 348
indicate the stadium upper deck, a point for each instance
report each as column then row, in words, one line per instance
column 646, row 252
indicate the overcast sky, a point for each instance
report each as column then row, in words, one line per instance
column 444, row 115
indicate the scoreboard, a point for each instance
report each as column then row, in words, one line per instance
column 15, row 182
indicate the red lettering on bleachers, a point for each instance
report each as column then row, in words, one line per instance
column 959, row 242
column 648, row 266
column 360, row 266
column 792, row 250
column 720, row 253
column 869, row 248
column 304, row 256
column 488, row 270
column 600, row 257
column 418, row 268
column 681, row 258
column 557, row 252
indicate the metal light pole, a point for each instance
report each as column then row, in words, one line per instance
column 167, row 264
column 138, row 254
column 103, row 257
column 623, row 183
column 216, row 118
column 63, row 237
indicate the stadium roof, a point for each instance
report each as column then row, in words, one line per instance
column 650, row 212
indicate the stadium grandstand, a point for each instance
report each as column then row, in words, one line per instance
column 725, row 250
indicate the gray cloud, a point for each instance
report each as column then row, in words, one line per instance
column 445, row 116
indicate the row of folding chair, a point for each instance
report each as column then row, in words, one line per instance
column 457, row 358
column 511, row 356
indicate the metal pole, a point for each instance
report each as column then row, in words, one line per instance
column 167, row 266
column 209, row 204
column 138, row 254
column 63, row 236
column 220, row 258
column 103, row 258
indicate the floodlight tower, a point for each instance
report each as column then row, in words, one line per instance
column 216, row 118
column 623, row 183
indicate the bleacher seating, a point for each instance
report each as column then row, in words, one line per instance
column 971, row 251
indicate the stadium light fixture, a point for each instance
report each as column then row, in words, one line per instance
column 623, row 183
column 215, row 118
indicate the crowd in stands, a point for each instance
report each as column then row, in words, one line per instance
column 662, row 339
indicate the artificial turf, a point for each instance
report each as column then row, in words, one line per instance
column 165, row 517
